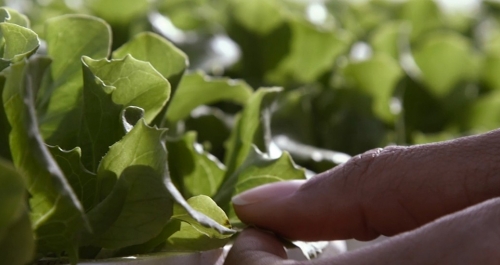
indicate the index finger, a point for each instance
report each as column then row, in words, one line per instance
column 384, row 191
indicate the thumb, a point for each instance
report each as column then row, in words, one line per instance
column 254, row 247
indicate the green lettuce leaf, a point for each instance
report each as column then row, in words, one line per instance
column 192, row 236
column 385, row 38
column 135, row 204
column 141, row 146
column 57, row 214
column 15, row 17
column 100, row 121
column 16, row 39
column 207, row 206
column 212, row 126
column 260, row 16
column 187, row 97
column 252, row 127
column 119, row 11
column 445, row 60
column 135, row 211
column 133, row 83
column 69, row 38
column 82, row 181
column 17, row 244
column 378, row 77
column 4, row 128
column 258, row 169
column 110, row 87
column 483, row 114
column 194, row 171
column 20, row 42
column 313, row 52
column 167, row 59
column 424, row 16
column 490, row 70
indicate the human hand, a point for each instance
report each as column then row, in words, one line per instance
column 385, row 191
column 470, row 236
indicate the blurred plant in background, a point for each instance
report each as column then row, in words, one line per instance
column 357, row 74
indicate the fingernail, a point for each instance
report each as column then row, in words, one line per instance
column 267, row 192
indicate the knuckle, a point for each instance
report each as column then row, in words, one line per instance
column 368, row 177
column 368, row 160
column 372, row 169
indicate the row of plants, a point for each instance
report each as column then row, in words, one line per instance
column 356, row 75
column 130, row 124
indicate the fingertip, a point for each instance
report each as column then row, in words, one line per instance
column 259, row 205
column 316, row 209
column 266, row 192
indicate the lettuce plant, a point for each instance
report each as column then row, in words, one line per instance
column 96, row 162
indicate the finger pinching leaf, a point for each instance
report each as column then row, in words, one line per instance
column 192, row 236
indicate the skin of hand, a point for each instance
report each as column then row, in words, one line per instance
column 434, row 197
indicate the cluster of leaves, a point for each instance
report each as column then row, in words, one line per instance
column 356, row 74
column 96, row 155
